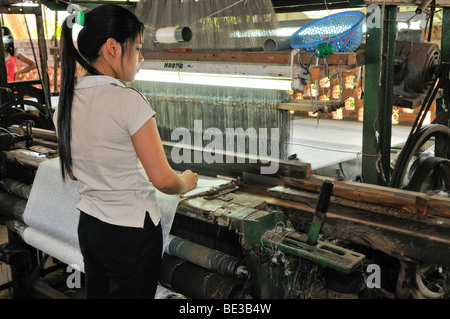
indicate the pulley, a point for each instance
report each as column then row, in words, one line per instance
column 415, row 66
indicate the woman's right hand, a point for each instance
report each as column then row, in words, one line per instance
column 190, row 180
column 151, row 153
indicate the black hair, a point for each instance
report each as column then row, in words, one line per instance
column 10, row 47
column 102, row 23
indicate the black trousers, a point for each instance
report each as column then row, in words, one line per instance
column 120, row 262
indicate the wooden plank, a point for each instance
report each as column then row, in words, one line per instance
column 351, row 93
column 374, row 194
column 310, row 105
column 344, row 59
column 41, row 290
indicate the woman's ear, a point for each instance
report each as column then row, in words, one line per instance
column 113, row 48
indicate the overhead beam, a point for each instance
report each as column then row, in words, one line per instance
column 439, row 3
column 286, row 6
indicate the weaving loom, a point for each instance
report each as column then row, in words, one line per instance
column 222, row 78
column 216, row 26
column 246, row 238
column 50, row 219
column 253, row 235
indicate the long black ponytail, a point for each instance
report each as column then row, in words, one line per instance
column 100, row 24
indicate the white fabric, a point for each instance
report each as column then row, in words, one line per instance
column 51, row 206
column 168, row 204
column 51, row 211
column 54, row 247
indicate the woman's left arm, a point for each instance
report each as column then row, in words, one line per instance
column 31, row 65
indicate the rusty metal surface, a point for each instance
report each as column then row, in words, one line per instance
column 26, row 158
column 228, row 211
column 396, row 232
column 373, row 194
column 322, row 253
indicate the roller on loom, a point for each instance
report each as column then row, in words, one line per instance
column 11, row 206
column 57, row 248
column 197, row 282
column 16, row 188
column 205, row 257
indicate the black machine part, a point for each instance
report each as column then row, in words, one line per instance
column 8, row 140
column 415, row 67
column 196, row 282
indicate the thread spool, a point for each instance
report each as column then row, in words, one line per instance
column 275, row 45
column 172, row 35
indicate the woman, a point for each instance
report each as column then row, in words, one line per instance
column 11, row 56
column 109, row 142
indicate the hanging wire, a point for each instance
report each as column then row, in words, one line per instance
column 220, row 11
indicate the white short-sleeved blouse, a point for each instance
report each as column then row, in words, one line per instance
column 113, row 184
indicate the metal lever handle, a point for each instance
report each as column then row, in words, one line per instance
column 319, row 216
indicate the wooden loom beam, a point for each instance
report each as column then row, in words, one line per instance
column 344, row 59
column 412, row 202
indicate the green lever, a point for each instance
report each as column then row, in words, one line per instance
column 319, row 215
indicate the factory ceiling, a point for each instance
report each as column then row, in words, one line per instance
column 280, row 6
